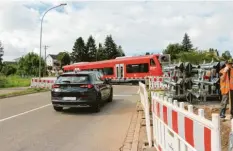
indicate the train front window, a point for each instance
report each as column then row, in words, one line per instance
column 152, row 62
column 137, row 68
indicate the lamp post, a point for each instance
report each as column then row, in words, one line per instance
column 41, row 34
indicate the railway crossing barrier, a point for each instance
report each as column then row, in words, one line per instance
column 177, row 129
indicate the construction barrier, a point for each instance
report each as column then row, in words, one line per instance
column 177, row 129
column 156, row 83
column 146, row 107
column 43, row 82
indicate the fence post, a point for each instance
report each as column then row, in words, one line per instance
column 147, row 115
column 182, row 144
column 176, row 139
column 216, row 141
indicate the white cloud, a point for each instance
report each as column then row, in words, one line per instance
column 137, row 26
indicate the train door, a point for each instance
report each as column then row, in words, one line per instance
column 119, row 71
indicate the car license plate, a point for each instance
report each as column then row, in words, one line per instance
column 69, row 98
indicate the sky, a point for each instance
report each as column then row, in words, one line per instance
column 138, row 26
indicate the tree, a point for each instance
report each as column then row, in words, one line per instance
column 29, row 65
column 101, row 53
column 120, row 51
column 173, row 50
column 197, row 57
column 186, row 43
column 214, row 51
column 226, row 55
column 91, row 48
column 79, row 52
column 147, row 53
column 63, row 58
column 9, row 69
column 110, row 48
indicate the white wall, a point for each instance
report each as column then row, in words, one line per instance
column 49, row 61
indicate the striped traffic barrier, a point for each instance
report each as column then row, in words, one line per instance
column 177, row 129
column 156, row 83
column 42, row 83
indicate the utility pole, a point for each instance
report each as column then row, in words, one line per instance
column 45, row 48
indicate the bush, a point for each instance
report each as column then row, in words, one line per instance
column 9, row 70
column 14, row 81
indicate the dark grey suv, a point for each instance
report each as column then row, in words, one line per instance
column 81, row 89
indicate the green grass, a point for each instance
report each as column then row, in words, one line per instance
column 14, row 81
column 23, row 92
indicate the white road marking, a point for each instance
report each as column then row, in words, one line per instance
column 8, row 118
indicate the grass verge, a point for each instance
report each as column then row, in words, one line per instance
column 23, row 92
column 14, row 81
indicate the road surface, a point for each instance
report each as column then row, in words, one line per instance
column 29, row 123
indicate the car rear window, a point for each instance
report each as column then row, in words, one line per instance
column 73, row 79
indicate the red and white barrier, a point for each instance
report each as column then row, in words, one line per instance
column 156, row 83
column 43, row 82
column 177, row 129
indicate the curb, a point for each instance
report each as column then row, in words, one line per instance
column 137, row 131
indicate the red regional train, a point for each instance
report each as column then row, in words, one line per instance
column 125, row 69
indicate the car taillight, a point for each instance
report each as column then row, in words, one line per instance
column 89, row 86
column 55, row 86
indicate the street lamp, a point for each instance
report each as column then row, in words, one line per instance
column 41, row 33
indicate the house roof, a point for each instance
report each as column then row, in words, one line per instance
column 53, row 56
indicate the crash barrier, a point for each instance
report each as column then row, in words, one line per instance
column 146, row 107
column 178, row 129
column 186, row 81
column 156, row 83
column 43, row 82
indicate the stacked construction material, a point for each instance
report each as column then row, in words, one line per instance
column 193, row 82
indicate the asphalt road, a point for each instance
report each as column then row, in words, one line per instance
column 29, row 123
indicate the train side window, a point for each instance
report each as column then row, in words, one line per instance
column 108, row 71
column 137, row 68
column 152, row 62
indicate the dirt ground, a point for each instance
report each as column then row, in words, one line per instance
column 209, row 108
